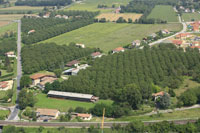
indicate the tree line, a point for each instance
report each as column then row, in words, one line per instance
column 46, row 28
column 108, row 76
column 49, row 56
column 145, row 7
column 43, row 2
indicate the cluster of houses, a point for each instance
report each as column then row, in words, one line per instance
column 44, row 114
column 193, row 26
column 40, row 80
column 187, row 10
column 185, row 40
column 6, row 85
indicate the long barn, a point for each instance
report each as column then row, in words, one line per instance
column 72, row 96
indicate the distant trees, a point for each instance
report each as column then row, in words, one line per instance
column 190, row 97
column 58, row 72
column 43, row 2
column 163, row 102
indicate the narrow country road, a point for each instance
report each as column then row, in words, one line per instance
column 163, row 39
column 15, row 111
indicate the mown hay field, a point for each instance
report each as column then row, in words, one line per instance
column 115, row 17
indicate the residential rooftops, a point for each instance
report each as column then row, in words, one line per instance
column 37, row 76
column 84, row 115
column 96, row 54
column 118, row 49
column 159, row 94
column 71, row 63
column 47, row 112
column 177, row 42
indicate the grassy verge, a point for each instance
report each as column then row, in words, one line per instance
column 108, row 36
column 164, row 12
column 63, row 105
column 4, row 114
column 185, row 114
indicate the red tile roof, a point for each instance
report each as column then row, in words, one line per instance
column 84, row 115
column 195, row 47
column 183, row 35
column 3, row 84
column 95, row 54
column 159, row 94
column 47, row 112
column 177, row 42
column 119, row 49
column 37, row 76
column 71, row 63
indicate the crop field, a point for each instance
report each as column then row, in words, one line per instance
column 20, row 9
column 10, row 17
column 164, row 12
column 3, row 23
column 91, row 5
column 108, row 36
column 63, row 105
column 190, row 16
column 8, row 28
column 115, row 17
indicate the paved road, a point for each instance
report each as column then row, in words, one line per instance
column 15, row 111
column 82, row 124
column 163, row 39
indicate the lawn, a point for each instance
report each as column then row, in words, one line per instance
column 91, row 5
column 189, row 16
column 4, row 114
column 187, row 84
column 185, row 114
column 108, row 36
column 164, row 12
column 115, row 17
column 62, row 104
column 7, row 28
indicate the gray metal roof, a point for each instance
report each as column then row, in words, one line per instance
column 70, row 94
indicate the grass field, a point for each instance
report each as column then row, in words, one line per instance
column 187, row 84
column 63, row 105
column 108, row 36
column 164, row 12
column 91, row 5
column 10, row 17
column 189, row 16
column 20, row 9
column 185, row 114
column 115, row 17
column 4, row 114
column 7, row 28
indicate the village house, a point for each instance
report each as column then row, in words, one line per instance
column 65, row 17
column 11, row 54
column 157, row 95
column 136, row 43
column 193, row 10
column 45, row 80
column 39, row 77
column 31, row 31
column 84, row 116
column 117, row 50
column 58, row 16
column 73, row 63
column 196, row 43
column 80, row 45
column 96, row 55
column 183, row 36
column 47, row 114
column 6, row 85
column 165, row 31
column 73, row 96
column 153, row 35
column 118, row 10
column 187, row 10
column 177, row 42
column 47, row 15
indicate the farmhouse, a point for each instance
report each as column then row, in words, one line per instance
column 74, row 71
column 157, row 95
column 165, row 31
column 45, row 80
column 84, row 116
column 10, row 54
column 73, row 96
column 31, row 31
column 58, row 16
column 136, row 43
column 73, row 63
column 47, row 15
column 80, row 45
column 118, row 10
column 96, row 55
column 39, row 77
column 47, row 114
column 117, row 50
